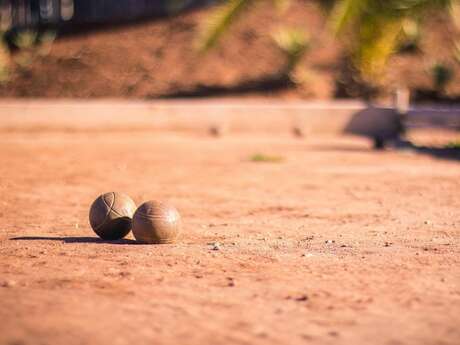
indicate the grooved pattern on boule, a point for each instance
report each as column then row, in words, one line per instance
column 156, row 223
column 111, row 215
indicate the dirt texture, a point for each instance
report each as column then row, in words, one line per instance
column 158, row 58
column 331, row 243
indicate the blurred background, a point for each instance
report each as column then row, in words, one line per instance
column 298, row 49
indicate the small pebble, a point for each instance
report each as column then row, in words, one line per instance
column 8, row 283
column 231, row 282
column 216, row 131
column 298, row 132
column 215, row 246
column 300, row 298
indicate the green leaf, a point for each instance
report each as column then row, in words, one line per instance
column 345, row 14
column 263, row 158
column 220, row 21
column 25, row 39
column 294, row 43
column 377, row 42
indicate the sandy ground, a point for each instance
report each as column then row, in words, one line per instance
column 335, row 244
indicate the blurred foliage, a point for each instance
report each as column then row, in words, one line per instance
column 220, row 21
column 225, row 15
column 25, row 39
column 453, row 145
column 30, row 45
column 4, row 61
column 294, row 43
column 441, row 75
column 373, row 29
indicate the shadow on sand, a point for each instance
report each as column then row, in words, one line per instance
column 449, row 153
column 275, row 82
column 73, row 240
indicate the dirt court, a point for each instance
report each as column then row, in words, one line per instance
column 334, row 244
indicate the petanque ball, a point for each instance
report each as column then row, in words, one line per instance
column 156, row 223
column 111, row 215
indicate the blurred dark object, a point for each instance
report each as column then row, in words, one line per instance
column 21, row 14
column 451, row 151
column 442, row 75
column 350, row 84
column 425, row 95
column 379, row 124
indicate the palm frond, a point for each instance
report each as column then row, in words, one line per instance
column 346, row 13
column 374, row 27
column 220, row 21
column 376, row 44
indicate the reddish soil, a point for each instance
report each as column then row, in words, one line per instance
column 335, row 244
column 157, row 58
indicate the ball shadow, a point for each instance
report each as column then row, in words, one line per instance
column 69, row 240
